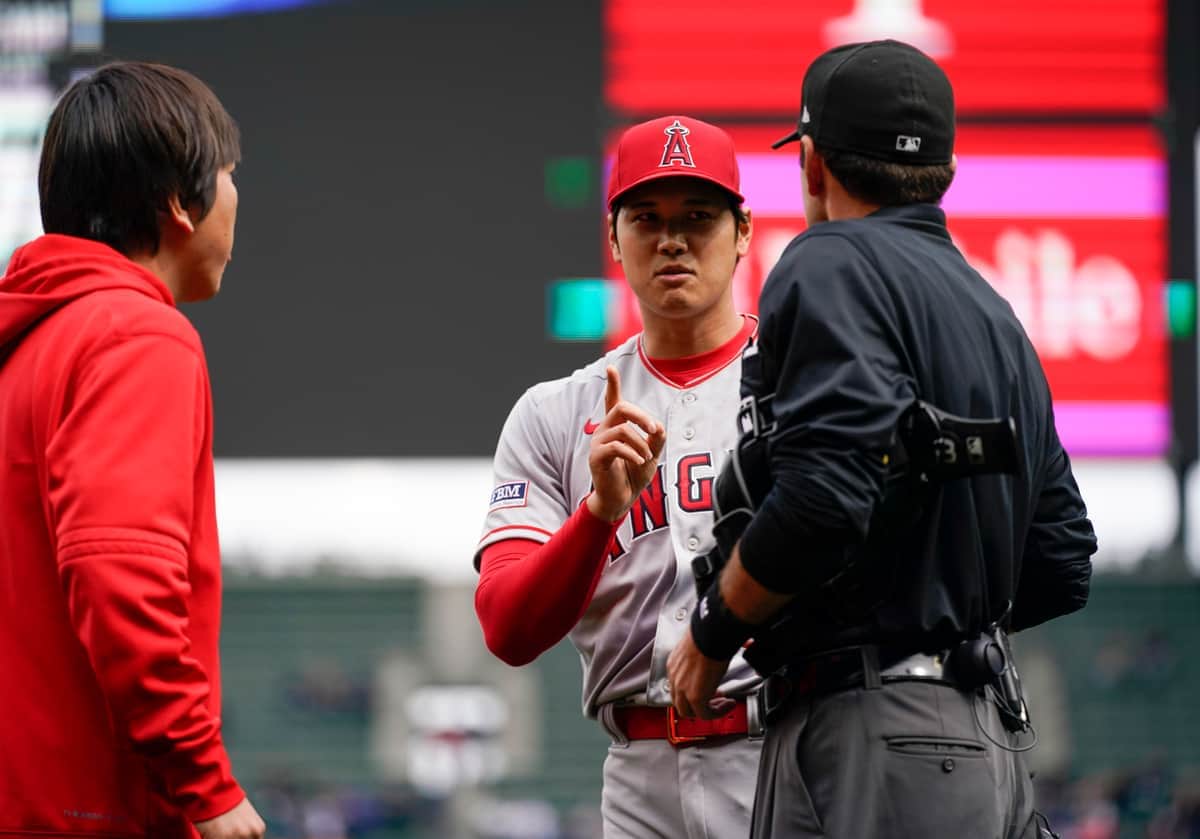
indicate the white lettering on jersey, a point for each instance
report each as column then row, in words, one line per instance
column 693, row 494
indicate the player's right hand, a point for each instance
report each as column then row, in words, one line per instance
column 242, row 822
column 624, row 453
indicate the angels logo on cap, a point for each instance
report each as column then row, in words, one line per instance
column 693, row 149
column 677, row 149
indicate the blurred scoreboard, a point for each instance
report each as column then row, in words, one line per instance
column 1065, row 217
column 164, row 9
column 40, row 40
column 1004, row 56
column 31, row 34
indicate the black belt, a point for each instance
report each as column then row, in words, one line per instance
column 866, row 666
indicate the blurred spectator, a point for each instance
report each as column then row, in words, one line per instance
column 1124, row 659
column 323, row 819
column 1180, row 819
column 324, row 687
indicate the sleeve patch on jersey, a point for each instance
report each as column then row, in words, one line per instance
column 511, row 494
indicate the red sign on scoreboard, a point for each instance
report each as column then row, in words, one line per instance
column 749, row 57
column 1068, row 224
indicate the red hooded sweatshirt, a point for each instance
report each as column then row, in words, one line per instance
column 110, row 576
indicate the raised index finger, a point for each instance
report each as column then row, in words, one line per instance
column 612, row 389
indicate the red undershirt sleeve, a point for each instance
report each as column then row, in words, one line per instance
column 530, row 595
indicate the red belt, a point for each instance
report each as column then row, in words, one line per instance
column 639, row 722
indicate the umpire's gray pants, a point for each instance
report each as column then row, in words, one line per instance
column 905, row 760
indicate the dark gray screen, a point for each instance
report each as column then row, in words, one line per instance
column 394, row 240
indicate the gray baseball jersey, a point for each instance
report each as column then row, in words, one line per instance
column 645, row 596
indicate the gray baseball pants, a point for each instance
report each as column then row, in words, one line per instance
column 905, row 760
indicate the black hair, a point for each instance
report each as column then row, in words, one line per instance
column 121, row 142
column 885, row 183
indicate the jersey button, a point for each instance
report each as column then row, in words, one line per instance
column 693, row 543
column 689, row 433
column 681, row 613
column 689, row 398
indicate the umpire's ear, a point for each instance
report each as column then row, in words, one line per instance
column 811, row 163
column 615, row 248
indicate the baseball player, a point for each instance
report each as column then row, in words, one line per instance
column 602, row 497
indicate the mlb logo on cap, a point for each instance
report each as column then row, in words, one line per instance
column 674, row 146
column 904, row 143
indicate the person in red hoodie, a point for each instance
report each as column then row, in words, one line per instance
column 110, row 576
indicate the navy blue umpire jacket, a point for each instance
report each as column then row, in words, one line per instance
column 859, row 317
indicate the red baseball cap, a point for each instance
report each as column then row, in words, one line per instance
column 670, row 147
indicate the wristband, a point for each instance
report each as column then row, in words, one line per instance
column 717, row 631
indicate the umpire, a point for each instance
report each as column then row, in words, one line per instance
column 898, row 713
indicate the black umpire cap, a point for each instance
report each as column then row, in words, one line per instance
column 881, row 99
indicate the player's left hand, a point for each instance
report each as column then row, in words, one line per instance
column 694, row 678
